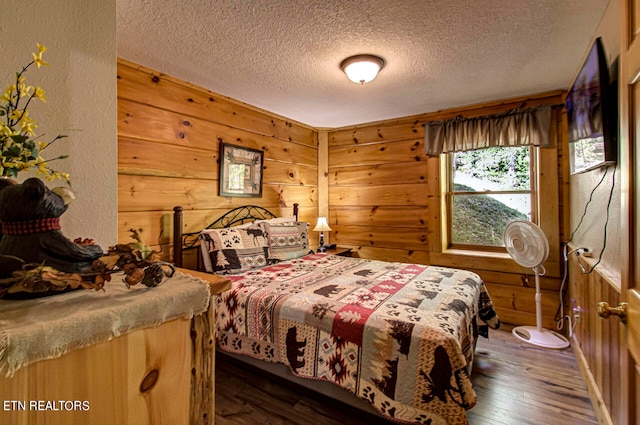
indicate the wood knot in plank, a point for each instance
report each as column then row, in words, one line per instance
column 149, row 380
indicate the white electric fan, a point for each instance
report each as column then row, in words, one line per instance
column 528, row 246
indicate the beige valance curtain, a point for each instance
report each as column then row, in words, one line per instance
column 516, row 127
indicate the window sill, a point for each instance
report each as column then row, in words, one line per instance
column 477, row 260
column 474, row 253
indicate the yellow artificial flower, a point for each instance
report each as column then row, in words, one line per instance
column 18, row 140
column 61, row 176
column 5, row 131
column 40, row 94
column 25, row 90
column 37, row 58
column 16, row 114
column 10, row 89
column 6, row 97
column 26, row 121
column 28, row 129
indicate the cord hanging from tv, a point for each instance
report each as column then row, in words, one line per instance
column 592, row 114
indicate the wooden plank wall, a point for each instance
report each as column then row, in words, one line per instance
column 384, row 200
column 596, row 341
column 168, row 138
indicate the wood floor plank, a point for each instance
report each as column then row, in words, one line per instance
column 515, row 383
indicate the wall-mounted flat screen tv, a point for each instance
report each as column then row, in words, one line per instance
column 592, row 113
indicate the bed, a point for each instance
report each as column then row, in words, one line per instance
column 399, row 336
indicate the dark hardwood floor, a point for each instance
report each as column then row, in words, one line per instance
column 515, row 383
column 518, row 383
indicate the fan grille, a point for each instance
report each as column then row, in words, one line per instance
column 526, row 243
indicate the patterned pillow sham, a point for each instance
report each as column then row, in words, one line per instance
column 233, row 250
column 287, row 240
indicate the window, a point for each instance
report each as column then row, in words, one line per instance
column 486, row 189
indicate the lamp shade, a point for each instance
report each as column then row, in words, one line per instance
column 362, row 68
column 322, row 225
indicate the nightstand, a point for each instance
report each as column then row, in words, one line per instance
column 340, row 250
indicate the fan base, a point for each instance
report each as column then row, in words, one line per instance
column 541, row 337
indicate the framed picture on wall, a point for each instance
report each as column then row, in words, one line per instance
column 240, row 171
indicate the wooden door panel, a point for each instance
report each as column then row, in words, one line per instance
column 629, row 163
column 633, row 330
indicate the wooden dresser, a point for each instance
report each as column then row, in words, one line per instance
column 156, row 375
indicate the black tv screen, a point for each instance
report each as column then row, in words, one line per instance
column 592, row 114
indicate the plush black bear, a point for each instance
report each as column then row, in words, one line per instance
column 30, row 216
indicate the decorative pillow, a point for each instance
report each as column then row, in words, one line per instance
column 287, row 240
column 233, row 250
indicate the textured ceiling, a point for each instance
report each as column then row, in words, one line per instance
column 284, row 55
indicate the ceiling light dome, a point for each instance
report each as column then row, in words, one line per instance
column 362, row 68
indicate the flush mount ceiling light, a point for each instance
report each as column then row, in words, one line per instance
column 362, row 68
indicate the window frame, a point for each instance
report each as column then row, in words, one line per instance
column 448, row 193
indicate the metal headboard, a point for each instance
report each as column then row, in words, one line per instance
column 187, row 241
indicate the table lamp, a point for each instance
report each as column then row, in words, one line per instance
column 322, row 226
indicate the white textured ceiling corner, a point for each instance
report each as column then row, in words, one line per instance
column 284, row 55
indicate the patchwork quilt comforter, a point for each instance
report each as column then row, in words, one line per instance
column 400, row 336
